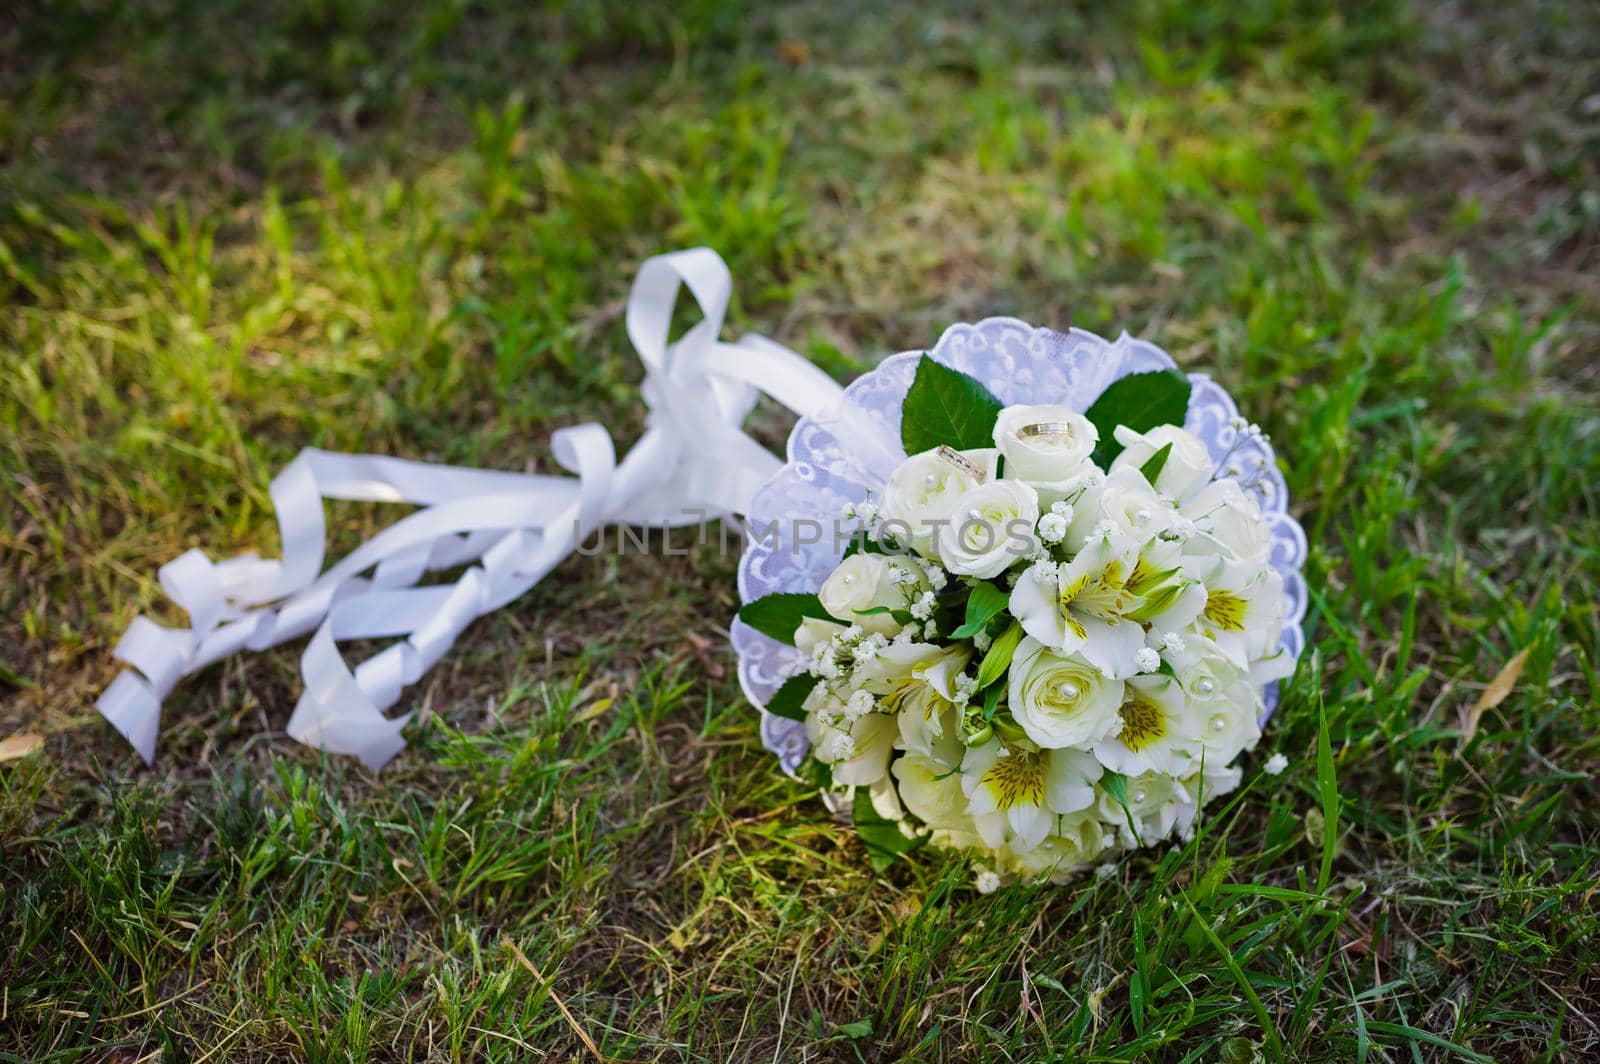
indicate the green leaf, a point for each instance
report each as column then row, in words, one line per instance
column 945, row 406
column 985, row 601
column 885, row 841
column 900, row 616
column 789, row 699
column 991, row 699
column 778, row 615
column 1116, row 785
column 1156, row 463
column 999, row 655
column 1141, row 401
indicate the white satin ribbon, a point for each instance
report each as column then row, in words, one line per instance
column 693, row 463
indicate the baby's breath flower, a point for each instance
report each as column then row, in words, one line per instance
column 1172, row 643
column 1062, row 509
column 860, row 703
column 987, row 881
column 1147, row 660
column 1105, row 871
column 936, row 576
column 1052, row 528
column 1275, row 765
column 922, row 608
column 965, row 687
column 930, row 631
column 838, row 746
column 981, row 640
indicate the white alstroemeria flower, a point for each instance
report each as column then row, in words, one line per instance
column 991, row 528
column 1244, row 618
column 869, row 582
column 1046, row 446
column 1159, row 729
column 921, row 496
column 932, row 792
column 1223, row 701
column 1061, row 701
column 1083, row 606
column 915, row 683
column 1126, row 503
column 1157, row 802
column 857, row 749
column 1278, row 665
column 1213, row 781
column 934, row 733
column 1076, row 842
column 1229, row 527
column 1014, row 795
column 1188, row 465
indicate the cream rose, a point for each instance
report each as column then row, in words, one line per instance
column 867, row 582
column 990, row 529
column 1187, row 468
column 922, row 493
column 1047, row 446
column 1061, row 701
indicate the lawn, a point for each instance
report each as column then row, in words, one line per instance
column 229, row 230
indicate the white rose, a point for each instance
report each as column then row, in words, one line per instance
column 865, row 582
column 814, row 632
column 922, row 493
column 990, row 529
column 1046, row 446
column 1061, row 701
column 1187, row 468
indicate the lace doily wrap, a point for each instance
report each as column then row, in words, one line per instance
column 840, row 452
column 693, row 463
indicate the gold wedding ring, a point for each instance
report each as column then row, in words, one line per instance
column 961, row 462
column 1046, row 428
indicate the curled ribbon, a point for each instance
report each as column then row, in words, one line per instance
column 693, row 461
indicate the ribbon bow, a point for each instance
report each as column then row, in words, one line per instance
column 693, row 461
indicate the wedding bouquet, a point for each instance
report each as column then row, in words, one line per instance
column 1062, row 586
column 1050, row 633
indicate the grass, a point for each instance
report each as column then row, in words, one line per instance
column 231, row 230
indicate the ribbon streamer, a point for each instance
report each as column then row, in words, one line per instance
column 693, row 462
